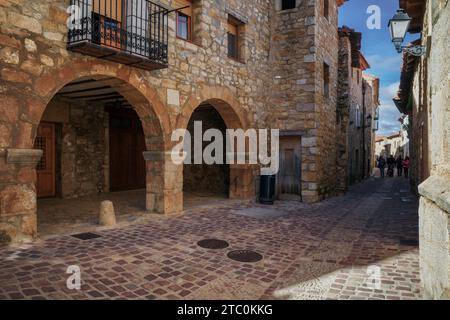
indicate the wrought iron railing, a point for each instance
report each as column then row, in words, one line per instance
column 135, row 27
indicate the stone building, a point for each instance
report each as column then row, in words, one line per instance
column 424, row 97
column 87, row 89
column 395, row 144
column 358, row 103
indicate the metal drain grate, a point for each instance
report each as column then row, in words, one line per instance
column 213, row 244
column 86, row 236
column 409, row 242
column 245, row 256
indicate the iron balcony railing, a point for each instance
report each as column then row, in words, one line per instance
column 133, row 32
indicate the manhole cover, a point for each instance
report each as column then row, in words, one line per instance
column 409, row 243
column 245, row 256
column 86, row 236
column 213, row 244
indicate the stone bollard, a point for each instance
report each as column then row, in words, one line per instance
column 107, row 214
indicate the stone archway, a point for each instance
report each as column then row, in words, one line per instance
column 18, row 158
column 222, row 99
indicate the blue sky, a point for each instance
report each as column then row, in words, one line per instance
column 384, row 60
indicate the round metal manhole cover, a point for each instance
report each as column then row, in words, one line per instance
column 213, row 244
column 245, row 256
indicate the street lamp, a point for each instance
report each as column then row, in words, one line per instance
column 398, row 27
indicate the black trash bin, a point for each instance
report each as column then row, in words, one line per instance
column 267, row 190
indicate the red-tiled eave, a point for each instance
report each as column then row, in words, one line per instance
column 416, row 10
column 363, row 62
column 406, row 81
column 340, row 2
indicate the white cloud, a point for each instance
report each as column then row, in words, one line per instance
column 390, row 91
column 380, row 62
column 389, row 116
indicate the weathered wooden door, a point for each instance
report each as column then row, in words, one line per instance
column 127, row 144
column 289, row 176
column 46, row 180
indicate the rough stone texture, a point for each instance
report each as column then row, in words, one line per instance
column 357, row 100
column 302, row 41
column 78, row 143
column 218, row 176
column 431, row 149
column 107, row 216
column 246, row 93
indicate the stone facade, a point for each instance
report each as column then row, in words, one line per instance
column 277, row 83
column 304, row 40
column 356, row 112
column 424, row 96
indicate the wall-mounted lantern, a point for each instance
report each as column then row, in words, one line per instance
column 398, row 27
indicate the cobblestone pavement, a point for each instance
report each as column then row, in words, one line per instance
column 359, row 246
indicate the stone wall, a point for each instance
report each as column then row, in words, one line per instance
column 343, row 112
column 203, row 178
column 81, row 145
column 277, row 83
column 435, row 191
column 302, row 41
column 357, row 100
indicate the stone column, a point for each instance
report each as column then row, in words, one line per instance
column 164, row 183
column 18, row 194
column 434, row 226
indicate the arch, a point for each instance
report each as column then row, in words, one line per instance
column 241, row 177
column 145, row 100
column 222, row 99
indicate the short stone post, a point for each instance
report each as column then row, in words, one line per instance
column 107, row 214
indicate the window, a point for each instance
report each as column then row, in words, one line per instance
column 233, row 38
column 326, row 8
column 288, row 4
column 326, row 80
column 358, row 117
column 184, row 20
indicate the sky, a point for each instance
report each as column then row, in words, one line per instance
column 379, row 51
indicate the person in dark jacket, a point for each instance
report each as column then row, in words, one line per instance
column 391, row 163
column 400, row 166
column 382, row 166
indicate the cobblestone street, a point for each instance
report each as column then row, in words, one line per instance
column 359, row 246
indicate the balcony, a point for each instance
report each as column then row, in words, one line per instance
column 130, row 32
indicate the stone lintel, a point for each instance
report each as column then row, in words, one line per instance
column 23, row 156
column 437, row 190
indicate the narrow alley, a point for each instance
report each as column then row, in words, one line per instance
column 363, row 245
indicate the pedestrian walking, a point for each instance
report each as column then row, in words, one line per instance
column 391, row 165
column 400, row 166
column 406, row 166
column 382, row 166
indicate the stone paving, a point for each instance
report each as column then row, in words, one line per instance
column 359, row 246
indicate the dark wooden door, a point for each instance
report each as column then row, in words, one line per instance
column 289, row 176
column 127, row 144
column 46, row 173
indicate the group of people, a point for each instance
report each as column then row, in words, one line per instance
column 391, row 163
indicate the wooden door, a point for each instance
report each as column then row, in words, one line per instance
column 46, row 173
column 127, row 144
column 289, row 177
column 107, row 23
